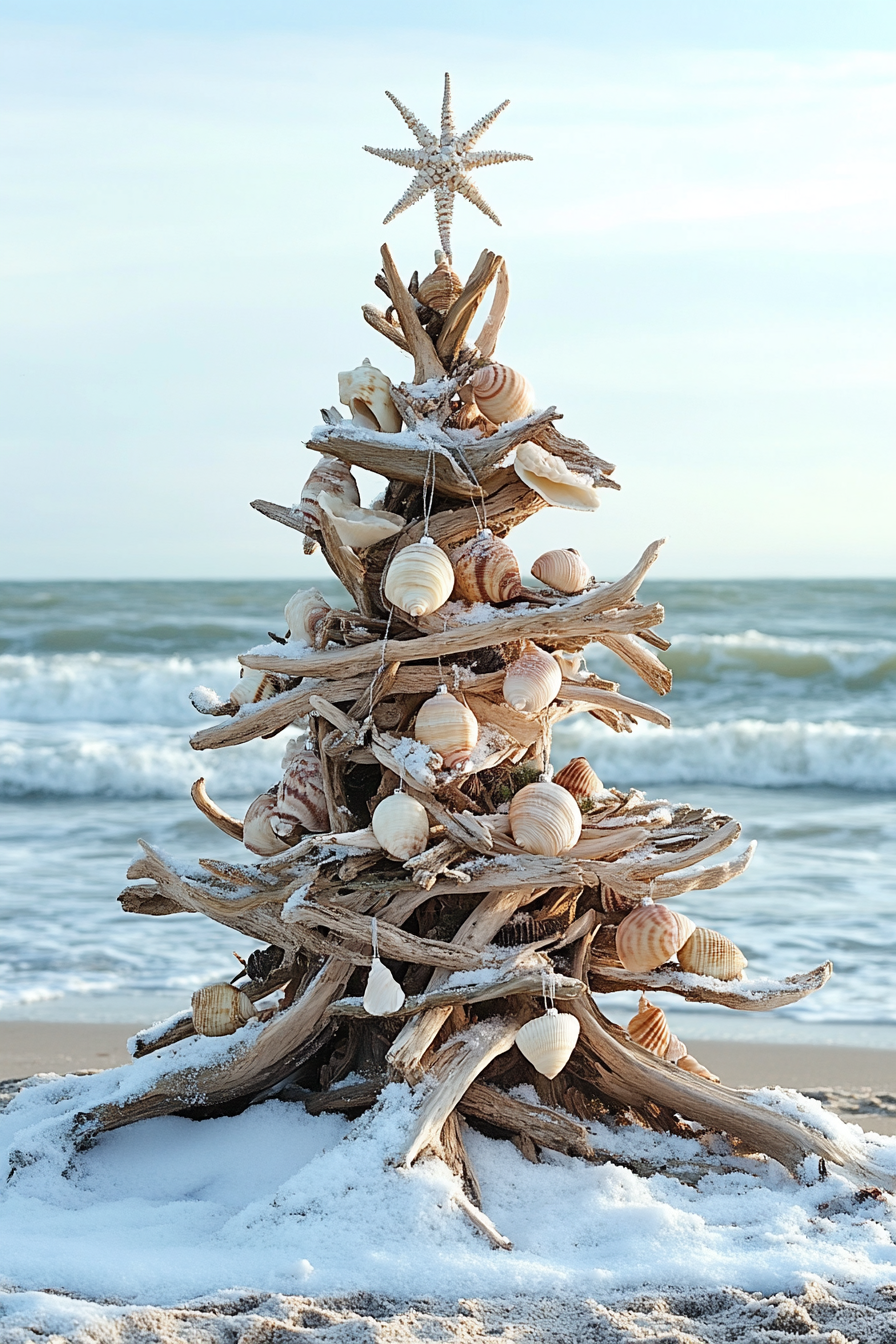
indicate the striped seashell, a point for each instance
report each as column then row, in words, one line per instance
column 565, row 571
column 401, row 825
column 254, row 686
column 367, row 392
column 545, row 819
column 579, row 779
column 502, row 394
column 447, row 726
column 419, row 579
column 650, row 935
column 550, row 477
column 692, row 1065
column 358, row 527
column 532, row 682
column 709, row 953
column 675, row 1050
column 383, row 994
column 614, row 904
column 304, row 612
column 220, row 1010
column 333, row 476
column 258, row 833
column 649, row 1029
column 440, row 288
column 486, row 570
column 548, row 1041
column 570, row 664
column 301, row 800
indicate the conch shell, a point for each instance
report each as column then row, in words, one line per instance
column 650, row 935
column 367, row 392
column 333, row 476
column 545, row 819
column 301, row 800
column 692, row 1065
column 254, row 686
column 502, row 394
column 419, row 579
column 565, row 571
column 440, row 288
column 579, row 779
column 401, row 825
column 486, row 570
column 649, row 1028
column 304, row 612
column 709, row 953
column 358, row 527
column 220, row 1010
column 258, row 832
column 447, row 726
column 550, row 477
column 532, row 682
column 548, row 1041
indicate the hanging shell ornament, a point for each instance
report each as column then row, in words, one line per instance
column 419, row 579
column 709, row 953
column 550, row 477
column 565, row 571
column 367, row 392
column 356, row 526
column 533, row 681
column 579, row 778
column 301, row 800
column 650, row 936
column 333, row 476
column 692, row 1065
column 502, row 394
column 486, row 570
column 258, row 832
column 548, row 1041
column 220, row 1010
column 545, row 819
column 304, row 612
column 441, row 287
column 383, row 994
column 649, row 1028
column 254, row 686
column 401, row 825
column 447, row 726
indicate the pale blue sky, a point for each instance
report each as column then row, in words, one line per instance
column 701, row 261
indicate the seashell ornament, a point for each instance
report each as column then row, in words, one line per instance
column 545, row 819
column 419, row 579
column 649, row 1028
column 502, row 394
column 650, row 935
column 692, row 1065
column 304, row 612
column 254, row 686
column 709, row 953
column 383, row 994
column 548, row 1041
column 355, row 526
column 570, row 664
column 401, row 825
column 447, row 726
column 565, row 571
column 550, row 477
column 579, row 779
column 333, row 476
column 301, row 800
column 532, row 682
column 486, row 570
column 258, row 832
column 367, row 392
column 220, row 1010
column 441, row 287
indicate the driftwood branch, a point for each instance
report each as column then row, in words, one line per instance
column 750, row 996
column 426, row 362
column 522, row 982
column 229, row 825
column 461, row 313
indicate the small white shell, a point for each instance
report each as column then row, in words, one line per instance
column 650, row 935
column 564, row 570
column 532, row 682
column 579, row 779
column 367, row 392
column 258, row 833
column 502, row 394
column 254, row 686
column 550, row 477
column 301, row 800
column 545, row 819
column 304, row 611
column 401, row 825
column 447, row 726
column 358, row 527
column 383, row 994
column 548, row 1041
column 332, row 475
column 419, row 579
column 220, row 1010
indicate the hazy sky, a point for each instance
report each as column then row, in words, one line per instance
column 701, row 260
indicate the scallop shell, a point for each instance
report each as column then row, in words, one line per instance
column 367, row 392
column 532, row 682
column 220, row 1010
column 570, row 664
column 486, row 570
column 383, row 994
column 301, row 800
column 550, row 477
column 502, row 394
column 692, row 1065
column 358, row 527
column 579, row 779
column 650, row 935
column 447, row 726
column 709, row 953
column 401, row 825
column 258, row 833
column 564, row 570
column 333, row 476
column 304, row 611
column 649, row 1028
column 548, row 1041
column 440, row 288
column 254, row 686
column 419, row 579
column 545, row 819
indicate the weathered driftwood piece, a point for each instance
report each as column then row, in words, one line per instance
column 488, row 337
column 640, row 660
column 590, row 695
column 461, row 313
column 147, row 898
column 426, row 362
column 522, row 982
column 393, row 942
column 380, row 322
column 229, row 825
column 750, row 996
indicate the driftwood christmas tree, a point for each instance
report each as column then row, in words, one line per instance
column 424, row 885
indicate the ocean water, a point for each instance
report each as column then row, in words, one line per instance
column 784, row 716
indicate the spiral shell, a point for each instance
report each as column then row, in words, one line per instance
column 383, row 994
column 532, row 682
column 220, row 1010
column 254, row 686
column 548, row 1041
column 545, row 819
column 649, row 1028
column 564, row 570
column 355, row 526
column 692, row 1065
column 447, row 726
column 502, row 394
column 258, row 832
column 709, row 953
column 650, row 935
column 486, row 570
column 401, row 825
column 301, row 800
column 367, row 392
column 550, row 477
column 419, row 579
column 440, row 288
column 333, row 476
column 579, row 779
column 304, row 612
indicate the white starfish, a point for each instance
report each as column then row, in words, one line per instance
column 442, row 165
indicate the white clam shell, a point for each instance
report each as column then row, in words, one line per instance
column 358, row 527
column 258, row 832
column 301, row 800
column 254, row 686
column 550, row 477
column 545, row 819
column 650, row 935
column 502, row 394
column 332, row 475
column 419, row 579
column 548, row 1041
column 383, row 994
column 401, row 825
column 533, row 681
column 447, row 726
column 220, row 1010
column 304, row 611
column 367, row 392
column 564, row 570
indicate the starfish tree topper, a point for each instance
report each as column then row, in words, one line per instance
column 443, row 163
